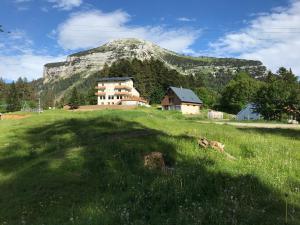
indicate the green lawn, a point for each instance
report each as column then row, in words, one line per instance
column 87, row 168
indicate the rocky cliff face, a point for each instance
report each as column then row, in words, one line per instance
column 94, row 59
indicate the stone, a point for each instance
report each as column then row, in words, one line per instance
column 154, row 160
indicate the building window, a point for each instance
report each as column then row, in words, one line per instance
column 110, row 97
column 113, row 103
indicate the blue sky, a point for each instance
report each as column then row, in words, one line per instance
column 44, row 31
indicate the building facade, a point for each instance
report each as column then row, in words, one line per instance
column 181, row 99
column 118, row 91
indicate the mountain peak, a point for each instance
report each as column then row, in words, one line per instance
column 129, row 41
column 131, row 44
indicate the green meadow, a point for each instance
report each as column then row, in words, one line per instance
column 86, row 168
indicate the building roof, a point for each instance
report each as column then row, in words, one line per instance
column 249, row 108
column 248, row 113
column 186, row 95
column 104, row 79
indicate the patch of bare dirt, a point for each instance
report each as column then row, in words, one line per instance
column 101, row 107
column 13, row 116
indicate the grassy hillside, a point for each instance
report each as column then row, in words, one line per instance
column 87, row 168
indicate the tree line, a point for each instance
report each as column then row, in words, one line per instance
column 276, row 95
column 17, row 95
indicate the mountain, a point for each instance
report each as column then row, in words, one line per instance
column 95, row 59
column 80, row 66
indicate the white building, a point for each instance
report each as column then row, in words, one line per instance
column 118, row 91
column 215, row 115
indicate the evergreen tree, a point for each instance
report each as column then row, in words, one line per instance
column 208, row 96
column 60, row 104
column 91, row 97
column 74, row 99
column 82, row 99
column 3, row 88
column 13, row 99
column 157, row 95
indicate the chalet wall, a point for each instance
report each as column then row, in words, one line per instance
column 190, row 109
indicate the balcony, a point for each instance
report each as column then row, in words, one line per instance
column 100, row 93
column 100, row 87
column 123, row 87
column 123, row 93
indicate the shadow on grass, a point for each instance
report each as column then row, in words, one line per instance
column 290, row 133
column 90, row 171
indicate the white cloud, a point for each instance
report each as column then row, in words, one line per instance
column 66, row 4
column 22, row 5
column 273, row 38
column 93, row 28
column 185, row 19
column 24, row 65
column 18, row 58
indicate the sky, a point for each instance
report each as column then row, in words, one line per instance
column 37, row 32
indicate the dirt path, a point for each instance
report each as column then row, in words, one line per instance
column 256, row 125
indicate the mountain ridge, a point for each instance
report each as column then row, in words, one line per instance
column 94, row 59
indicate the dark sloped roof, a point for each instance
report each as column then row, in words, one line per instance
column 186, row 95
column 115, row 78
column 250, row 107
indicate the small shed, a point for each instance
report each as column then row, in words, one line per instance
column 248, row 113
column 181, row 99
column 215, row 115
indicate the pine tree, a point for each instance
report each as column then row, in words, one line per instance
column 74, row 99
column 3, row 88
column 13, row 100
column 91, row 98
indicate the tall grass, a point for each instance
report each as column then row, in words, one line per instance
column 87, row 168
